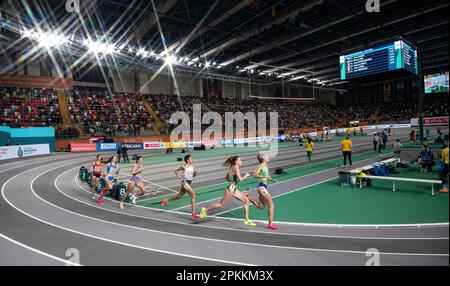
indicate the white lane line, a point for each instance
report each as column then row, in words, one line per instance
column 280, row 182
column 272, row 166
column 66, row 262
column 193, row 237
column 279, row 163
column 231, row 229
column 308, row 186
column 93, row 236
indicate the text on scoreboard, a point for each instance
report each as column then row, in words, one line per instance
column 392, row 56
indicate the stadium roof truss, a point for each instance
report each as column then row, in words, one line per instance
column 224, row 39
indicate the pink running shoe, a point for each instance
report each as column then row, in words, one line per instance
column 100, row 201
column 273, row 227
column 102, row 192
column 195, row 216
column 164, row 203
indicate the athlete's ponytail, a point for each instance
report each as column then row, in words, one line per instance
column 231, row 161
column 260, row 159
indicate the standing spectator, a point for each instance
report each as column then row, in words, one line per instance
column 412, row 137
column 309, row 150
column 426, row 159
column 445, row 170
column 398, row 148
column 379, row 142
column 384, row 137
column 124, row 151
column 347, row 150
column 119, row 154
column 375, row 141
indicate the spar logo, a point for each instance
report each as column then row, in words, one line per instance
column 153, row 145
column 20, row 152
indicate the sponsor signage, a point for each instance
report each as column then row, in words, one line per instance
column 83, row 147
column 194, row 144
column 174, row 145
column 153, row 145
column 133, row 146
column 434, row 121
column 107, row 146
column 12, row 152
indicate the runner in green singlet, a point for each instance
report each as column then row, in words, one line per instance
column 262, row 173
column 233, row 177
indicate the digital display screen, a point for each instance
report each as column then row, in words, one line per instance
column 436, row 83
column 385, row 58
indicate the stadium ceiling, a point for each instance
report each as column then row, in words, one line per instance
column 234, row 38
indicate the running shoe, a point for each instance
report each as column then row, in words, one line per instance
column 100, row 201
column 133, row 201
column 249, row 222
column 102, row 192
column 164, row 203
column 273, row 227
column 94, row 198
column 195, row 216
column 203, row 213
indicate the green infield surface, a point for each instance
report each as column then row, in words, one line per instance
column 327, row 202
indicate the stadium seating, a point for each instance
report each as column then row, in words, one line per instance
column 100, row 111
column 24, row 107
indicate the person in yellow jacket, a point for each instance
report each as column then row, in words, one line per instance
column 445, row 171
column 309, row 149
column 347, row 150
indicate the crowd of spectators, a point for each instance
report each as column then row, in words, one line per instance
column 166, row 105
column 436, row 106
column 26, row 107
column 290, row 114
column 395, row 112
column 359, row 113
column 109, row 113
column 101, row 111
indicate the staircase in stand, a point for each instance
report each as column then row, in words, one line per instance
column 62, row 98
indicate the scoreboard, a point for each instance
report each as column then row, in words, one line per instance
column 385, row 58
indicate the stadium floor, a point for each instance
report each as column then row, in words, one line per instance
column 45, row 211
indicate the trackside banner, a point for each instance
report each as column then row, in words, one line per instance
column 12, row 152
column 133, row 146
column 107, row 146
column 153, row 145
column 83, row 147
column 431, row 121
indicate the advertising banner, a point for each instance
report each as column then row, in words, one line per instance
column 133, row 146
column 194, row 144
column 12, row 152
column 83, row 147
column 435, row 121
column 107, row 146
column 174, row 145
column 153, row 145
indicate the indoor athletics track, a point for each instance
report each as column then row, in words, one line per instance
column 45, row 210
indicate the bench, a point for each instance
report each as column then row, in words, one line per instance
column 395, row 179
column 390, row 161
